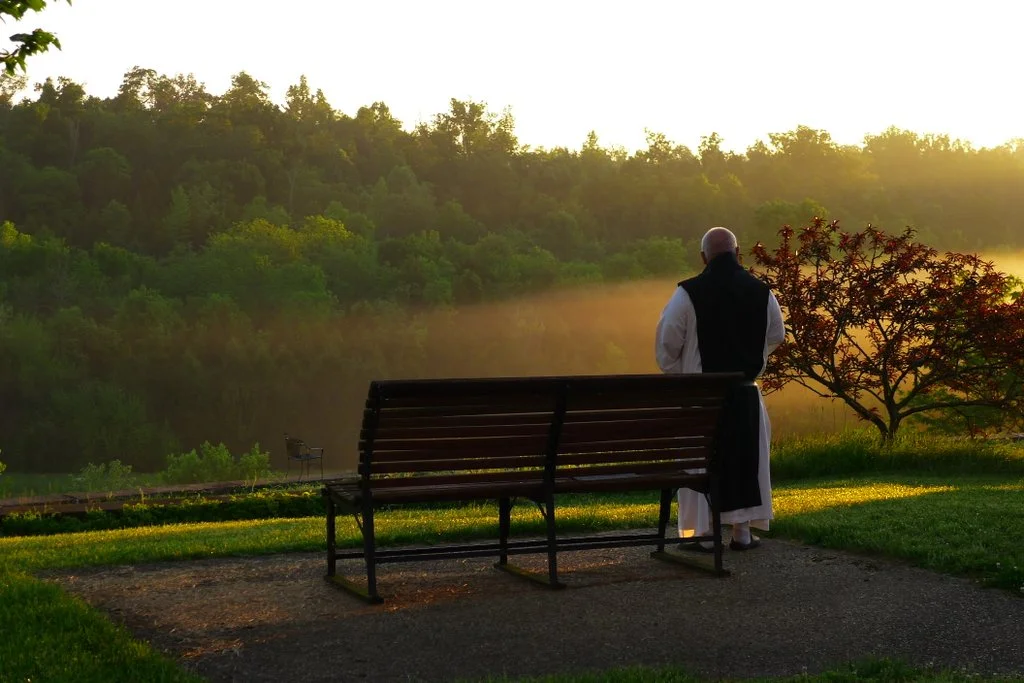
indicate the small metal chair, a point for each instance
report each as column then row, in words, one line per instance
column 304, row 455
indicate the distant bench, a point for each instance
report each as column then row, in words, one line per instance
column 533, row 438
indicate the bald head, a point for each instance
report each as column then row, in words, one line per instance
column 717, row 241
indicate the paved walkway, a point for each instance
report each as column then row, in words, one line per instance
column 786, row 609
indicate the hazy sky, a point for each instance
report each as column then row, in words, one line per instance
column 743, row 69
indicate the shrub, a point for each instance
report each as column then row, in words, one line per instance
column 215, row 463
column 110, row 476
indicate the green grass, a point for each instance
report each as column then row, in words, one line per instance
column 970, row 527
column 51, row 636
column 267, row 536
column 858, row 452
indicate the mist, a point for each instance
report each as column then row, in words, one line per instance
column 605, row 329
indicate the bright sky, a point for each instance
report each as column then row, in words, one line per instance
column 743, row 68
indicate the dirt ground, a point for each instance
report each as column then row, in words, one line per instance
column 786, row 609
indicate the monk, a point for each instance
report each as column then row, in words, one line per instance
column 725, row 320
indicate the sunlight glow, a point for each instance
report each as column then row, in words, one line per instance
column 743, row 69
column 793, row 501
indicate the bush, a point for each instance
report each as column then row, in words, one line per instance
column 110, row 476
column 215, row 463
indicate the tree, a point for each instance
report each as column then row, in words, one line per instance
column 10, row 86
column 27, row 44
column 891, row 327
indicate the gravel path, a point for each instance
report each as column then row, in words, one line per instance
column 786, row 609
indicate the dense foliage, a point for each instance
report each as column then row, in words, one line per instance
column 178, row 266
column 892, row 327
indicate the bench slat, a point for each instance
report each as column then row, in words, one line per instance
column 630, row 402
column 664, row 466
column 535, row 410
column 394, row 421
column 618, row 429
column 441, row 399
column 456, row 448
column 637, row 444
column 386, row 481
column 649, row 413
column 664, row 453
column 691, row 457
column 483, row 444
column 440, row 465
column 389, row 431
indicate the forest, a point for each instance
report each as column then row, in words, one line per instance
column 179, row 266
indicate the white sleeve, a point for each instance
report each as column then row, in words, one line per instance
column 670, row 336
column 776, row 332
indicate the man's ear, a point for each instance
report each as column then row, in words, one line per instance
column 703, row 258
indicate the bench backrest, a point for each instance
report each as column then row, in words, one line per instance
column 618, row 432
column 436, row 431
column 441, row 431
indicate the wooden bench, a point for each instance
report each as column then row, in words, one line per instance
column 533, row 438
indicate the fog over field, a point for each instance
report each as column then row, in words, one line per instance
column 606, row 329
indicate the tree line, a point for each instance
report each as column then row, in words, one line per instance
column 178, row 266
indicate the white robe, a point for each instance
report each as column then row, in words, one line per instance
column 676, row 351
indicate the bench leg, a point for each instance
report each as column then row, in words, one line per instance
column 663, row 514
column 504, row 528
column 716, row 522
column 332, row 559
column 370, row 551
column 369, row 593
column 552, row 543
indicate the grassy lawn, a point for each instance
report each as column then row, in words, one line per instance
column 51, row 636
column 969, row 528
column 968, row 525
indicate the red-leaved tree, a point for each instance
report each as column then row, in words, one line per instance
column 892, row 327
